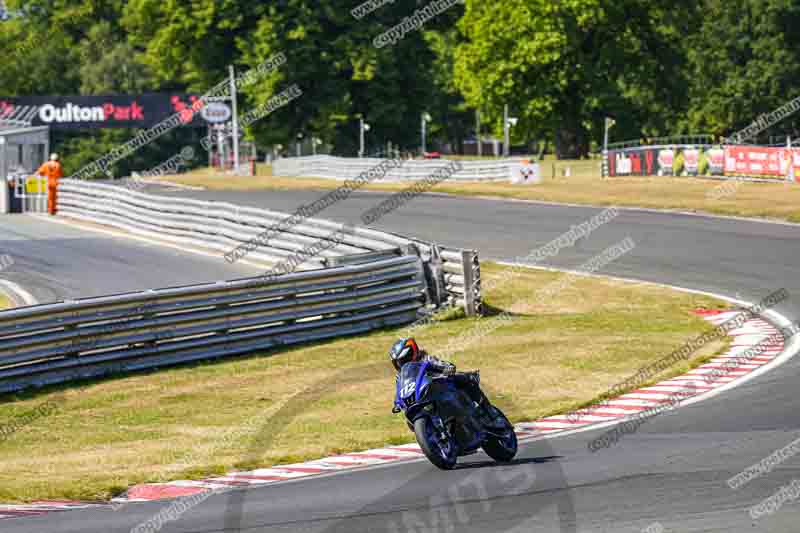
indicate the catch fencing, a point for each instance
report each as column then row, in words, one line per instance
column 342, row 168
column 701, row 139
column 92, row 337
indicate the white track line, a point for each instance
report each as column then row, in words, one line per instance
column 17, row 293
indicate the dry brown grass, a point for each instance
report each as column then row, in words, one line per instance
column 769, row 200
column 310, row 401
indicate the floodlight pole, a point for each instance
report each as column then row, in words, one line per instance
column 210, row 135
column 478, row 132
column 422, row 120
column 505, row 131
column 222, row 147
column 604, row 164
column 361, row 137
column 235, row 122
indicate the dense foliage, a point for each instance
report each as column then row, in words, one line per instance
column 658, row 67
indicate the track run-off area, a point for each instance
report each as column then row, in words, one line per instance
column 671, row 474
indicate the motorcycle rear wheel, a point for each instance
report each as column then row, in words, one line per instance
column 442, row 455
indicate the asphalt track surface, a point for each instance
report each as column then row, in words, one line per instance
column 55, row 261
column 669, row 476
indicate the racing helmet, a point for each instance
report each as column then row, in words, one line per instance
column 404, row 351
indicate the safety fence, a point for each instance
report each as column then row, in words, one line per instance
column 370, row 279
column 215, row 226
column 341, row 168
column 220, row 227
column 700, row 139
column 92, row 337
column 453, row 274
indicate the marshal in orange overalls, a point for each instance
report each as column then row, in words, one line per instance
column 53, row 172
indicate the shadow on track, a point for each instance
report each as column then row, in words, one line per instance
column 514, row 462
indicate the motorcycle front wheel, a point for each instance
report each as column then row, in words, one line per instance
column 502, row 449
column 443, row 454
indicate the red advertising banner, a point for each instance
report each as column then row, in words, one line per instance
column 632, row 163
column 755, row 161
column 760, row 161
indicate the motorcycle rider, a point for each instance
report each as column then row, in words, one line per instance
column 407, row 350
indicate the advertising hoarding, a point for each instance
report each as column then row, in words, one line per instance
column 112, row 111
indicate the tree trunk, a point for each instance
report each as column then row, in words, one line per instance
column 571, row 142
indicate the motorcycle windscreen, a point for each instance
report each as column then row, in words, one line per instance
column 412, row 376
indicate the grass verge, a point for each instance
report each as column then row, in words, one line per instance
column 778, row 200
column 303, row 402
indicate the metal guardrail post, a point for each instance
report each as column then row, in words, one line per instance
column 472, row 283
column 436, row 289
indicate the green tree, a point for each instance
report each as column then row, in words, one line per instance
column 111, row 65
column 33, row 64
column 330, row 55
column 744, row 61
column 63, row 47
column 563, row 66
column 344, row 76
column 453, row 119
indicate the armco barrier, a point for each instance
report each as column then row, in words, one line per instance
column 220, row 227
column 341, row 168
column 215, row 226
column 91, row 337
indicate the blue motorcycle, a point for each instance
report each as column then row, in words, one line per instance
column 446, row 422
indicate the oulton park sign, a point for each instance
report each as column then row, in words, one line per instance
column 112, row 111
